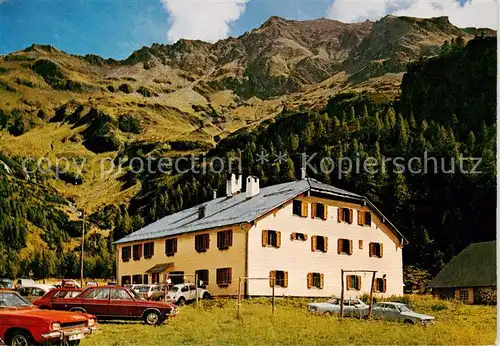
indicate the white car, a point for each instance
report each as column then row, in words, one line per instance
column 352, row 307
column 34, row 291
column 180, row 294
column 145, row 291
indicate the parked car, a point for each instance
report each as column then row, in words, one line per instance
column 352, row 307
column 35, row 291
column 68, row 283
column 22, row 282
column 145, row 291
column 22, row 323
column 399, row 312
column 6, row 283
column 92, row 284
column 183, row 293
column 45, row 302
column 114, row 302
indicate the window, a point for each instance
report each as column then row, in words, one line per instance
column 155, row 278
column 202, row 277
column 271, row 238
column 224, row 239
column 37, row 292
column 170, row 246
column 98, row 294
column 223, row 277
column 145, row 279
column 118, row 294
column 353, row 282
column 137, row 279
column 380, row 285
column 125, row 253
column 364, row 218
column 149, row 250
column 319, row 243
column 298, row 236
column 137, row 252
column 344, row 215
column 319, row 211
column 344, row 247
column 464, row 295
column 315, row 280
column 279, row 278
column 376, row 250
column 360, row 245
column 300, row 208
column 126, row 280
column 176, row 277
column 202, row 242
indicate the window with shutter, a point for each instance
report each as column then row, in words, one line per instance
column 353, row 282
column 126, row 280
column 367, row 218
column 344, row 247
column 316, row 280
column 380, row 285
column 202, row 242
column 137, row 252
column 319, row 243
column 319, row 211
column 360, row 244
column 149, row 249
column 298, row 208
column 126, row 252
column 203, row 277
column 145, row 279
column 171, row 246
column 280, row 278
column 224, row 239
column 224, row 277
column 271, row 238
column 376, row 250
column 298, row 236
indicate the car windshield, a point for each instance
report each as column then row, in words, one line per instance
column 12, row 299
column 334, row 301
column 404, row 308
column 135, row 295
column 142, row 289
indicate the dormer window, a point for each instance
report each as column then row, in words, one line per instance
column 201, row 212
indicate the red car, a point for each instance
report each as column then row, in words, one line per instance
column 45, row 302
column 117, row 303
column 24, row 324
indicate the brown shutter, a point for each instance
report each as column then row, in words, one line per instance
column 381, row 250
column 285, row 284
column 375, row 285
column 313, row 210
column 359, row 283
column 325, row 213
column 264, row 238
column 313, row 243
column 351, row 212
column 322, row 284
column 292, row 236
column 385, row 285
column 326, row 244
column 304, row 209
column 230, row 235
column 309, row 280
column 350, row 247
column 278, row 239
column 348, row 281
column 370, row 249
column 230, row 275
column 272, row 278
column 305, row 236
column 339, row 214
column 360, row 218
column 339, row 246
column 207, row 241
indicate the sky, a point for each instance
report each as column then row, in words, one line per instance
column 115, row 28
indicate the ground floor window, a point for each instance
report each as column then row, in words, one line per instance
column 126, row 280
column 464, row 295
column 353, row 282
column 155, row 278
column 137, row 279
column 145, row 279
column 380, row 285
column 315, row 280
column 224, row 276
column 278, row 278
column 176, row 277
column 202, row 277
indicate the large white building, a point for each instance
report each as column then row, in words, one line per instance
column 302, row 233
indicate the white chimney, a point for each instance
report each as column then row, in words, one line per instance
column 233, row 185
column 253, row 187
column 215, row 194
column 303, row 173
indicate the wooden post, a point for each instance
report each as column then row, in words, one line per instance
column 273, row 280
column 342, row 293
column 371, row 296
column 196, row 287
column 239, row 297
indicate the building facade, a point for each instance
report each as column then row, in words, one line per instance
column 296, row 236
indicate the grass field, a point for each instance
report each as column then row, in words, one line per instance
column 216, row 322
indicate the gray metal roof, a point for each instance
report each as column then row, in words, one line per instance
column 237, row 209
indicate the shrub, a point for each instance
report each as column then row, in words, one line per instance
column 111, row 88
column 128, row 123
column 3, row 69
column 126, row 88
column 486, row 296
column 144, row 91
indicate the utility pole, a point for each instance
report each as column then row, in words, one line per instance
column 82, row 214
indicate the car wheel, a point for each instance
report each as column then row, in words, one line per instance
column 181, row 301
column 328, row 313
column 207, row 295
column 152, row 318
column 82, row 310
column 74, row 343
column 408, row 322
column 20, row 338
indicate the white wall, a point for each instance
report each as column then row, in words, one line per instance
column 297, row 259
